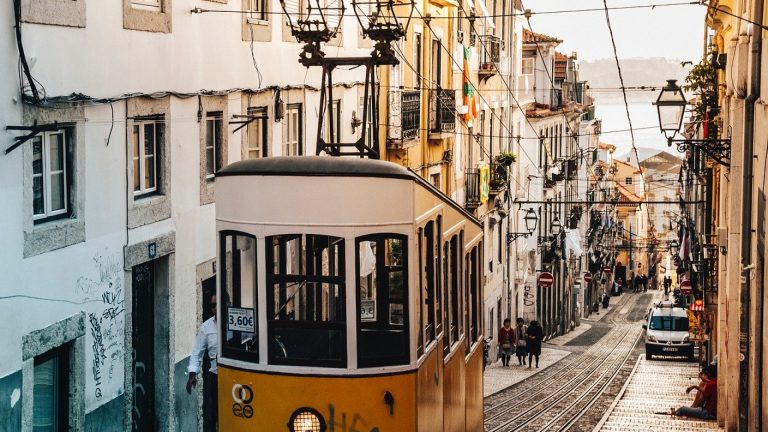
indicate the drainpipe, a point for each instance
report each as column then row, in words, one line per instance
column 746, row 211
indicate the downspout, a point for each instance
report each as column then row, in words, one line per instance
column 746, row 211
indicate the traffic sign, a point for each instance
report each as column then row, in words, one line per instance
column 587, row 277
column 606, row 270
column 546, row 279
column 685, row 287
column 697, row 306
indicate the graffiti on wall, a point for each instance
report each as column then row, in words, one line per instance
column 104, row 284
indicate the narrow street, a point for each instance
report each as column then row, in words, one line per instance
column 574, row 393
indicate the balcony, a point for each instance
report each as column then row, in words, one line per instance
column 499, row 179
column 472, row 189
column 571, row 168
column 404, row 118
column 491, row 56
column 442, row 113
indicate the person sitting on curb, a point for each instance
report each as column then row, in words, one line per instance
column 705, row 404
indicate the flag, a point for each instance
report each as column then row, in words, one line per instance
column 468, row 91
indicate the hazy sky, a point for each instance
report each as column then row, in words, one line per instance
column 674, row 32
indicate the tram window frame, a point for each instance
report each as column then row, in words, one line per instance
column 420, row 299
column 231, row 265
column 455, row 294
column 466, row 273
column 478, row 267
column 428, row 281
column 460, row 284
column 307, row 268
column 381, row 329
column 446, row 296
column 438, row 273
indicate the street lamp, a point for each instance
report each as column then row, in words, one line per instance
column 531, row 221
column 556, row 227
column 671, row 106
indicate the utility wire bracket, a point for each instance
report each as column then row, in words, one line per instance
column 34, row 130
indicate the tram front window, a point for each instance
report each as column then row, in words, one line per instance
column 238, row 288
column 305, row 305
column 382, row 335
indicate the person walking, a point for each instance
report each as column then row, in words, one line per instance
column 533, row 338
column 520, row 348
column 507, row 342
column 206, row 341
column 645, row 282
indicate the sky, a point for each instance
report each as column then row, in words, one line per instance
column 675, row 32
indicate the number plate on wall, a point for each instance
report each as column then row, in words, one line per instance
column 240, row 319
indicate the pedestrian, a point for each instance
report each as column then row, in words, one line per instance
column 520, row 350
column 606, row 301
column 645, row 282
column 533, row 337
column 705, row 404
column 506, row 342
column 638, row 283
column 206, row 341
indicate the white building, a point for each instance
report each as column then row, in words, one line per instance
column 108, row 210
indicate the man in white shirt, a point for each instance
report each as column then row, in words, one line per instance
column 206, row 341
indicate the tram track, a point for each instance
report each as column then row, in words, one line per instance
column 556, row 401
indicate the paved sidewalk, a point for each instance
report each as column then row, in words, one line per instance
column 496, row 378
column 655, row 387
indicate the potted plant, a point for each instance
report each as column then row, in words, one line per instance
column 505, row 159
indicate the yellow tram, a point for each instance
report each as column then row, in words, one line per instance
column 350, row 299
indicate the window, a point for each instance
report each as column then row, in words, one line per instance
column 50, row 391
column 454, row 290
column 437, row 74
column 490, row 132
column 146, row 4
column 333, row 119
column 257, row 10
column 147, row 134
column 500, row 252
column 445, row 290
column 292, row 136
column 438, row 276
column 435, row 180
column 51, row 176
column 369, row 120
column 257, row 133
column 213, row 143
column 305, row 300
column 238, row 296
column 382, row 296
column 427, row 270
column 628, row 181
column 417, row 60
column 481, row 137
column 527, row 66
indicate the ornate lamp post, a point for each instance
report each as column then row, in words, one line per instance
column 671, row 105
column 531, row 220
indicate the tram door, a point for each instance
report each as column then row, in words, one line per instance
column 143, row 342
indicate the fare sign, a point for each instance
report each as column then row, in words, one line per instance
column 587, row 277
column 685, row 287
column 546, row 279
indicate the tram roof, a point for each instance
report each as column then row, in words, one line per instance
column 323, row 166
column 316, row 166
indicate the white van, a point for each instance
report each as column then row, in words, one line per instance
column 666, row 332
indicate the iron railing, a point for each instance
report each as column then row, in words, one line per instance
column 491, row 52
column 404, row 116
column 442, row 110
column 472, row 188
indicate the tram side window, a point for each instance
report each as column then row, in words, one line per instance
column 428, row 281
column 305, row 304
column 445, row 288
column 238, row 288
column 382, row 296
column 478, row 281
column 454, row 263
column 420, row 297
column 473, row 294
column 437, row 272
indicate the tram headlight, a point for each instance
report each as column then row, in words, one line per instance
column 306, row 420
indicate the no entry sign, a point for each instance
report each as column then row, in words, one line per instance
column 685, row 287
column 546, row 279
column 587, row 277
column 606, row 270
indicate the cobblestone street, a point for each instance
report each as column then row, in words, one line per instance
column 581, row 374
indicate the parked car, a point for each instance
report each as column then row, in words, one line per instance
column 666, row 332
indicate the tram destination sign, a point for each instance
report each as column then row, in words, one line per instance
column 240, row 319
column 546, row 279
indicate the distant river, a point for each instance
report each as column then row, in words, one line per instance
column 645, row 122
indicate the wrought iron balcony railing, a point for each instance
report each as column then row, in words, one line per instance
column 472, row 188
column 442, row 110
column 491, row 52
column 404, row 116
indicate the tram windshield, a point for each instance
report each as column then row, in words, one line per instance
column 305, row 305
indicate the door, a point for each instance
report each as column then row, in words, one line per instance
column 143, row 343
